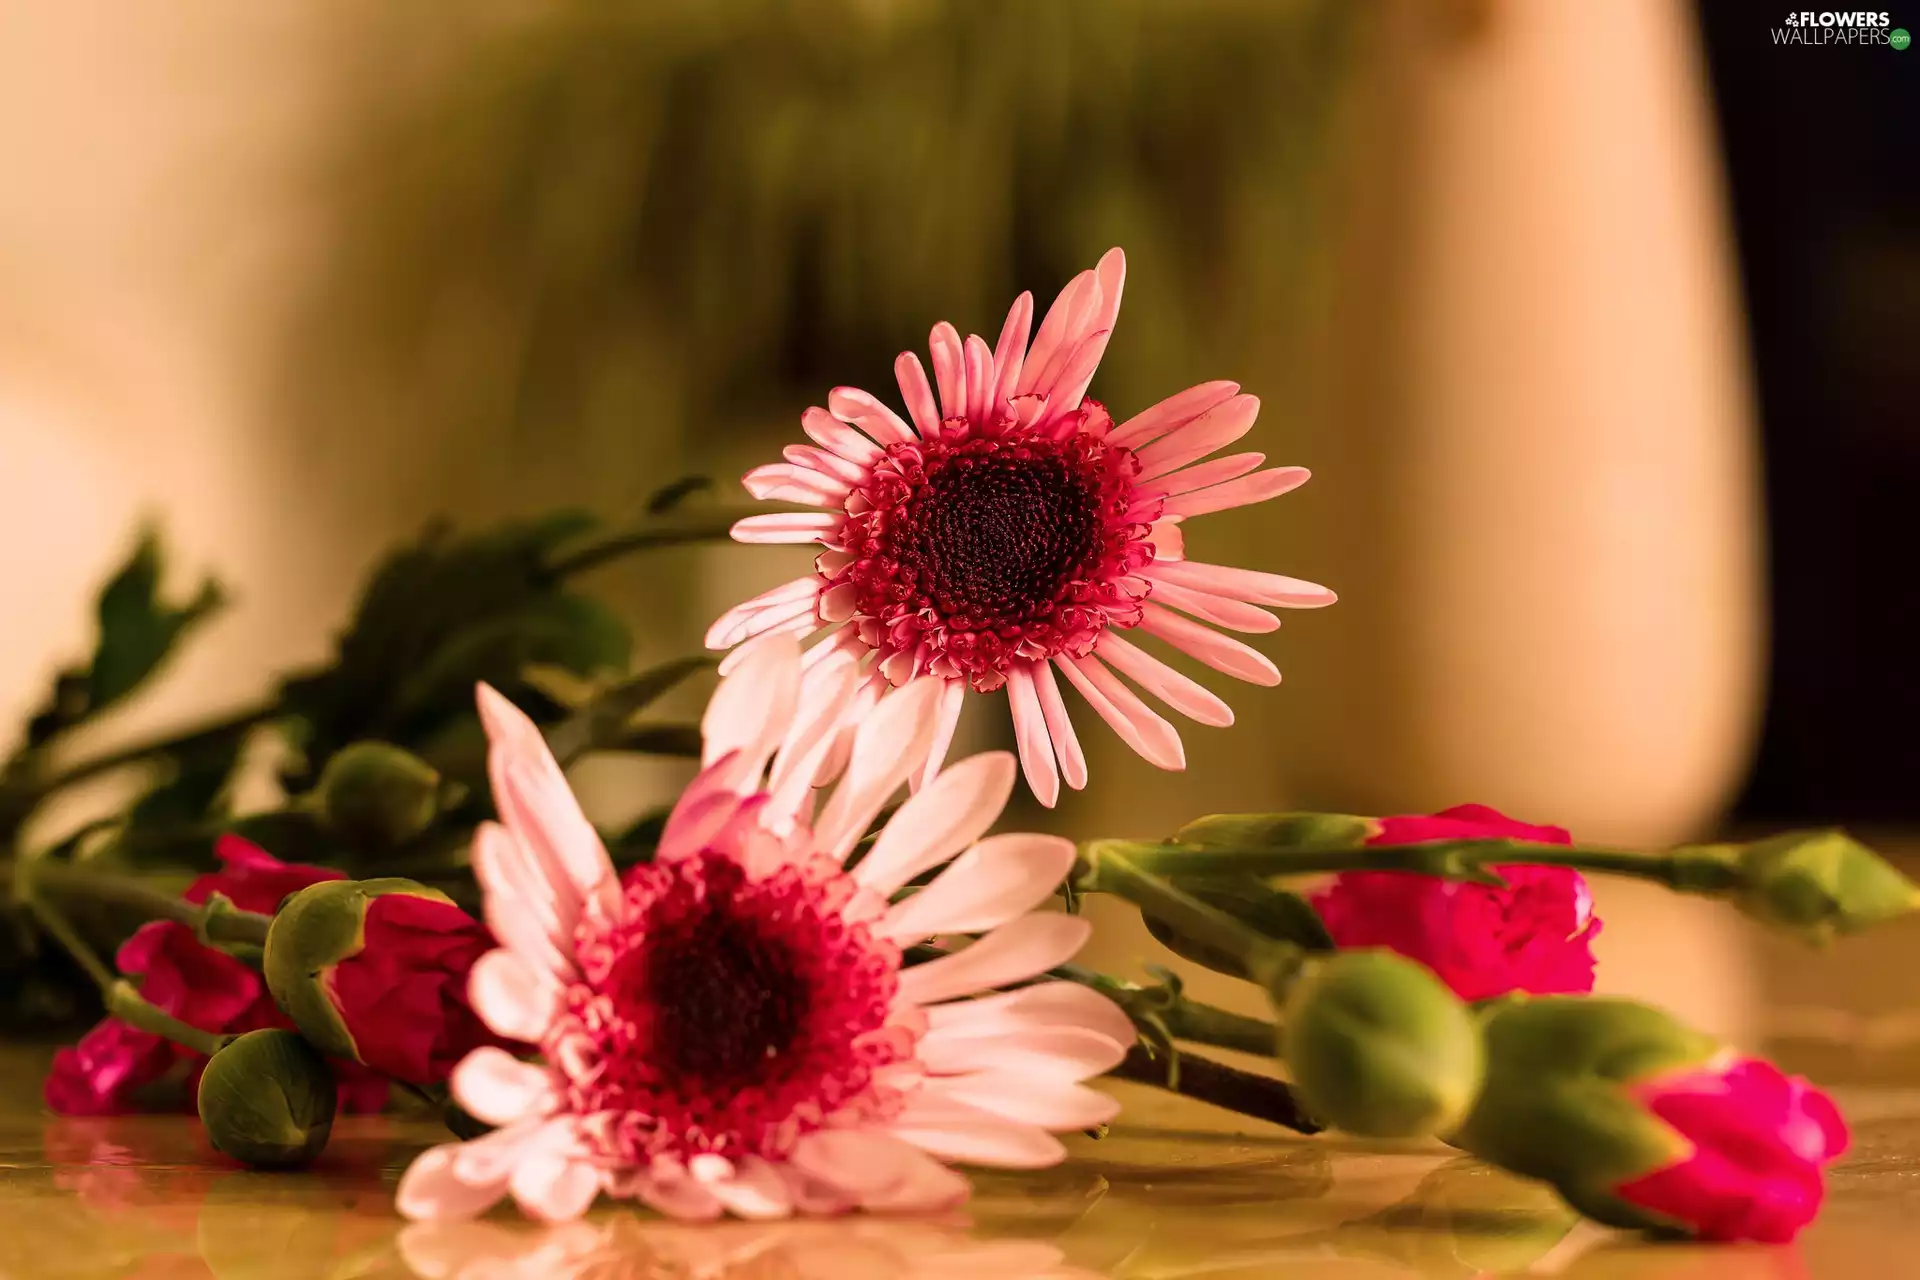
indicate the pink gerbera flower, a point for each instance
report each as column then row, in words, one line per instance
column 1012, row 529
column 732, row 1026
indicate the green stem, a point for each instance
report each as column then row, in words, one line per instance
column 1187, row 1019
column 1111, row 866
column 707, row 524
column 1219, row 1085
column 122, row 999
column 214, row 921
column 1687, row 870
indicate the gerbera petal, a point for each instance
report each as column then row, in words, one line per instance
column 786, row 482
column 1014, row 952
column 1076, row 374
column 1010, row 353
column 533, row 798
column 1175, row 411
column 823, row 702
column 867, row 412
column 521, row 905
column 952, row 700
column 1222, row 653
column 498, row 1089
column 979, row 379
column 994, row 881
column 1219, row 610
column 921, row 406
column 1187, row 696
column 826, row 461
column 430, row 1191
column 737, row 623
column 1030, row 732
column 1137, row 724
column 1067, row 1053
column 924, row 1185
column 1245, row 491
column 832, row 434
column 1029, row 1097
column 951, row 812
column 949, row 369
column 797, row 526
column 752, row 1189
column 1072, row 307
column 512, row 997
column 1215, row 429
column 554, row 1187
column 953, row 1130
column 707, row 805
column 1066, row 744
column 858, row 1161
column 1201, row 475
column 751, row 709
column 1045, row 1004
column 1245, row 584
column 890, row 743
column 668, row 1188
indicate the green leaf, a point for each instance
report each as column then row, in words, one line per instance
column 672, row 495
column 602, row 721
column 191, row 788
column 137, row 629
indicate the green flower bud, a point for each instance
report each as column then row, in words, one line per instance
column 267, row 1099
column 1278, row 831
column 1554, row 1107
column 315, row 929
column 1820, row 883
column 1378, row 1046
column 376, row 796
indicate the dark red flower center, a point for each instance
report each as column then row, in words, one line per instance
column 980, row 549
column 724, row 1013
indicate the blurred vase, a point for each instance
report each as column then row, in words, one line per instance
column 1550, row 577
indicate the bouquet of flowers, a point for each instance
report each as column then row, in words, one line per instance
column 795, row 992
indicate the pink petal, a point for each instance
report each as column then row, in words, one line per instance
column 831, row 433
column 1244, row 584
column 430, row 1191
column 736, row 623
column 1175, row 411
column 704, row 808
column 1245, row 491
column 918, row 395
column 1028, row 1097
column 824, row 695
column 924, row 1186
column 1066, row 744
column 890, row 743
column 953, row 811
column 1066, row 1053
column 949, row 369
column 512, row 997
column 1076, row 374
column 802, row 526
column 554, row 1187
column 858, row 1161
column 1030, row 732
column 1167, row 541
column 499, row 1089
column 1222, row 653
column 1015, row 951
column 979, row 379
column 800, row 626
column 1134, row 721
column 954, row 1131
column 1010, row 354
column 1215, row 429
column 777, row 619
column 952, row 698
column 1045, row 1004
column 991, row 883
column 752, row 707
column 1184, row 695
column 785, row 482
column 520, row 903
column 1058, row 333
column 1219, row 610
column 534, row 800
column 753, row 1190
column 1218, row 471
column 1111, row 271
column 850, row 404
column 669, row 1189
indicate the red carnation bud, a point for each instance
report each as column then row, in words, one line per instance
column 376, row 971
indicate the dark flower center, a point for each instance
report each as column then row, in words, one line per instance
column 1002, row 536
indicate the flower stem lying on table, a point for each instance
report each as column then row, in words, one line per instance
column 1243, row 1092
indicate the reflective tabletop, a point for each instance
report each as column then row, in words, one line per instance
column 1176, row 1190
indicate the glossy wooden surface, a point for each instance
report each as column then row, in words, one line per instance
column 1176, row 1191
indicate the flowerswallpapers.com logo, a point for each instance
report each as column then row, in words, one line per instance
column 1846, row 26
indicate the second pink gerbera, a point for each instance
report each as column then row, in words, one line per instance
column 1008, row 529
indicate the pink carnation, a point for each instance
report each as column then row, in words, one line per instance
column 113, row 1064
column 1756, row 1142
column 1535, row 934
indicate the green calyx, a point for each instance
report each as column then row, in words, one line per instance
column 314, row 930
column 1278, row 831
column 267, row 1099
column 1556, row 1104
column 1817, row 883
column 1378, row 1046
